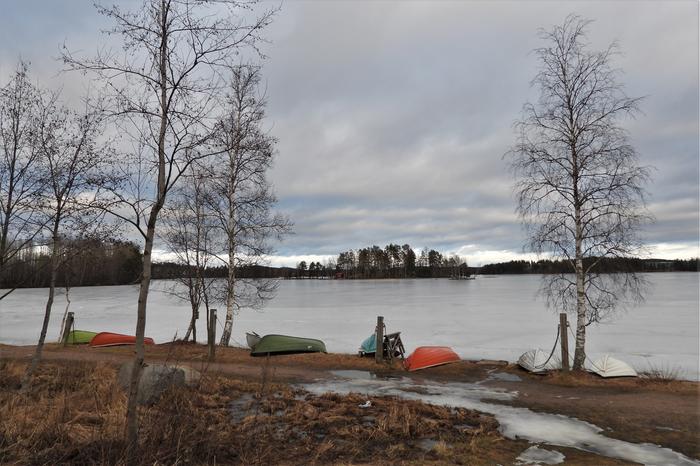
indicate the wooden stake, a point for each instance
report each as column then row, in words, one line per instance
column 564, row 335
column 379, row 339
column 212, row 334
column 67, row 328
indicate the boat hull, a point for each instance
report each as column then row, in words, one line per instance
column 252, row 339
column 285, row 344
column 607, row 366
column 430, row 356
column 369, row 346
column 80, row 337
column 116, row 339
column 538, row 361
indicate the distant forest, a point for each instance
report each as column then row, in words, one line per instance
column 392, row 261
column 84, row 263
column 605, row 266
column 395, row 261
column 89, row 263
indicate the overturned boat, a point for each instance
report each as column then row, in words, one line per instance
column 252, row 339
column 80, row 337
column 369, row 345
column 430, row 356
column 116, row 339
column 285, row 344
column 607, row 366
column 538, row 361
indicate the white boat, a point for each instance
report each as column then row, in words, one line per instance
column 536, row 361
column 607, row 366
column 252, row 339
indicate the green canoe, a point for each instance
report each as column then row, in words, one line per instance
column 369, row 346
column 80, row 337
column 285, row 344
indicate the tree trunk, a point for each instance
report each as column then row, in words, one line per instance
column 189, row 329
column 192, row 328
column 580, row 351
column 65, row 312
column 131, row 412
column 26, row 380
column 231, row 227
column 230, row 291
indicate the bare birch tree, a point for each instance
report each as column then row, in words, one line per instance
column 165, row 83
column 244, row 196
column 580, row 187
column 21, row 217
column 189, row 233
column 72, row 165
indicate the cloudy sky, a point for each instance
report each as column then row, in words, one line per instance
column 393, row 117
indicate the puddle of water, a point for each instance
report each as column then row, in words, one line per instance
column 354, row 374
column 537, row 455
column 240, row 407
column 516, row 423
column 504, row 377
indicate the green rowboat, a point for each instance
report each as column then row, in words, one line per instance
column 80, row 337
column 285, row 344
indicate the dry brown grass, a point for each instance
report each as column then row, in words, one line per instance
column 74, row 414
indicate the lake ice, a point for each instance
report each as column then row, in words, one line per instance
column 495, row 317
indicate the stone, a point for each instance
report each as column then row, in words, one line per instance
column 156, row 379
column 192, row 376
column 124, row 375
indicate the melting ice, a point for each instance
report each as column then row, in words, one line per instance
column 516, row 423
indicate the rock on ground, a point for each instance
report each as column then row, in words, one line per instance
column 156, row 379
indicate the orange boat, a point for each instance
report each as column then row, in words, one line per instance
column 430, row 356
column 114, row 339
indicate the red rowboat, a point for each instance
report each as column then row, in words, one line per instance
column 114, row 339
column 430, row 356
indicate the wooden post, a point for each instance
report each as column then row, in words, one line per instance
column 67, row 328
column 564, row 335
column 379, row 339
column 212, row 334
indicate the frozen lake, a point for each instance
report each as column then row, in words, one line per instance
column 495, row 317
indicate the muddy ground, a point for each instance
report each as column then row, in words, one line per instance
column 278, row 423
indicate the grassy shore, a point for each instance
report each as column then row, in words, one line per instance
column 249, row 411
column 75, row 414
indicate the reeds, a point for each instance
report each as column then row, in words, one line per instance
column 662, row 374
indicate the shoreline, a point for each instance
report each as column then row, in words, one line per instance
column 661, row 412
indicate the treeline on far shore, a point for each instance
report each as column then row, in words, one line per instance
column 93, row 262
column 83, row 263
column 606, row 265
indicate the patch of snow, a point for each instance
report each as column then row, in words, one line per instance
column 669, row 429
column 537, row 455
column 504, row 377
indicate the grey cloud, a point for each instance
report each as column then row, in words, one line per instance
column 393, row 117
column 413, row 114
